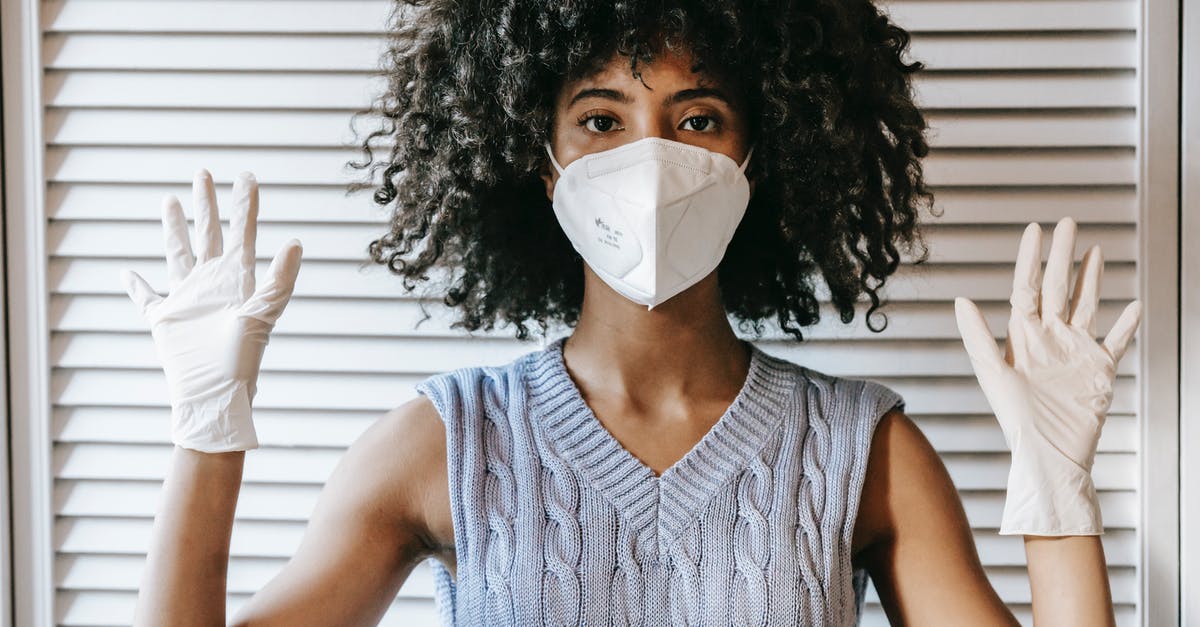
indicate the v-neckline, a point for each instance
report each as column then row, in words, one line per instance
column 679, row 494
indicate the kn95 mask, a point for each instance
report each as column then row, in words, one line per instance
column 652, row 217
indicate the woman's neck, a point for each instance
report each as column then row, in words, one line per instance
column 682, row 349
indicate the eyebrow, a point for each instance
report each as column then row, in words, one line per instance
column 676, row 98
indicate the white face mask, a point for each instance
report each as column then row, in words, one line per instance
column 652, row 217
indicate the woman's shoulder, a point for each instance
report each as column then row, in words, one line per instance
column 837, row 394
column 475, row 386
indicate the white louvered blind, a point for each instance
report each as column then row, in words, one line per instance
column 1033, row 104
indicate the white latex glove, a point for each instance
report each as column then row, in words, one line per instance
column 1053, row 385
column 211, row 329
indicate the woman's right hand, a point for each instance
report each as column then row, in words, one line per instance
column 211, row 329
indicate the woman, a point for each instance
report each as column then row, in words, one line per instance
column 639, row 171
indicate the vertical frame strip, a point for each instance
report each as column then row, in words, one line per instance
column 29, row 377
column 1189, row 423
column 1158, row 277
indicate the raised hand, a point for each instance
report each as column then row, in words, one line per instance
column 211, row 329
column 1052, row 386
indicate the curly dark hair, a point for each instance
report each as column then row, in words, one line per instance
column 471, row 89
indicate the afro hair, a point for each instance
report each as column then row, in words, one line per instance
column 469, row 101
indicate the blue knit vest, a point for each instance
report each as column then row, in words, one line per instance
column 556, row 523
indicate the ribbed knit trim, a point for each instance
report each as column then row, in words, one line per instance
column 680, row 494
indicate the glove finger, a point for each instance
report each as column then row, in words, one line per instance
column 1026, row 279
column 976, row 336
column 243, row 228
column 1122, row 330
column 207, row 242
column 1058, row 271
column 139, row 291
column 179, row 249
column 1086, row 297
column 272, row 296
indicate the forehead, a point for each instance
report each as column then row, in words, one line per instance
column 666, row 68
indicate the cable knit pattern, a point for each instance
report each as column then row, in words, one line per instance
column 627, row 590
column 564, row 539
column 752, row 542
column 556, row 523
column 498, row 546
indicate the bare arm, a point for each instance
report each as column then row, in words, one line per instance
column 366, row 534
column 924, row 563
column 1069, row 579
column 183, row 582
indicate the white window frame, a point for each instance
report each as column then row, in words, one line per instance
column 1159, row 527
column 1167, row 546
column 28, row 415
column 1189, row 424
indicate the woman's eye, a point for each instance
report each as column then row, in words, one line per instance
column 700, row 123
column 599, row 123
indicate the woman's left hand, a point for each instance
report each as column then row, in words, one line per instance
column 1052, row 386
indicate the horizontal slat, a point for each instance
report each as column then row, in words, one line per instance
column 1100, row 166
column 969, row 471
column 147, row 425
column 106, row 608
column 365, row 392
column 310, row 52
column 256, row 501
column 327, row 242
column 348, row 242
column 246, row 575
column 279, row 539
column 1025, row 51
column 295, row 502
column 131, row 536
column 351, row 91
column 1126, row 614
column 989, row 471
column 1120, row 548
column 961, row 395
column 345, row 280
column 99, row 608
column 1012, row 585
column 145, row 463
column 335, row 354
column 356, row 16
column 1016, row 205
column 288, row 166
column 278, row 203
column 1070, row 128
column 1026, row 90
column 1012, row 15
column 331, row 129
column 382, row 392
column 329, row 203
column 967, row 434
column 400, row 318
column 131, row 127
column 221, row 51
column 233, row 90
column 338, row 429
column 313, row 166
column 192, row 16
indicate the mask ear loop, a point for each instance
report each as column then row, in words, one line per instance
column 552, row 159
column 745, row 162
